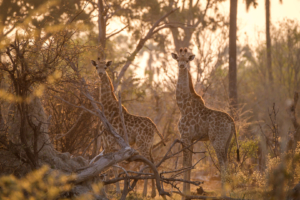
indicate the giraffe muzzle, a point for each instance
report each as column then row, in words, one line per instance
column 182, row 66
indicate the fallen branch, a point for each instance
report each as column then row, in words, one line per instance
column 103, row 163
column 205, row 197
column 112, row 181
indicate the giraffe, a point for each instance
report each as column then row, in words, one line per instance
column 198, row 122
column 140, row 129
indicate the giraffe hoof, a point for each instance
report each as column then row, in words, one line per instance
column 153, row 194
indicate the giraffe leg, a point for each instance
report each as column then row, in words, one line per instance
column 222, row 158
column 109, row 145
column 145, row 186
column 115, row 170
column 153, row 192
column 144, row 147
column 187, row 162
column 220, row 138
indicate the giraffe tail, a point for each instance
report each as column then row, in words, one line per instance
column 237, row 144
column 160, row 135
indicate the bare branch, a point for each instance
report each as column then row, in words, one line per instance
column 72, row 128
column 166, row 157
column 152, row 166
column 140, row 46
column 72, row 19
column 98, row 135
column 183, row 169
column 115, row 33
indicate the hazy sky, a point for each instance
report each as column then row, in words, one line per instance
column 253, row 21
column 251, row 24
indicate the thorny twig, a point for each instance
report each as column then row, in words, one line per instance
column 176, row 141
column 98, row 135
column 188, row 168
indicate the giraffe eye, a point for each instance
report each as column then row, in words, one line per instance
column 186, row 61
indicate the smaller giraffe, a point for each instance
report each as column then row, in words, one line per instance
column 140, row 130
column 199, row 122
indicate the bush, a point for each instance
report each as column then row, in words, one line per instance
column 43, row 183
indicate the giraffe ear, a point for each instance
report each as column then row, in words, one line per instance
column 93, row 62
column 108, row 63
column 191, row 57
column 174, row 56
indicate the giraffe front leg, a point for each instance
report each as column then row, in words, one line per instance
column 153, row 192
column 145, row 186
column 187, row 162
column 118, row 190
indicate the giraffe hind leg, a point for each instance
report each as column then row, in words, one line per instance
column 144, row 147
column 222, row 158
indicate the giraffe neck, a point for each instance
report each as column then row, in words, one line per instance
column 185, row 92
column 107, row 98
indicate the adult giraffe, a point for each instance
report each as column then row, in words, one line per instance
column 198, row 122
column 140, row 130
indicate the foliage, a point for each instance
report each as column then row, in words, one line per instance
column 255, row 89
column 43, row 183
column 38, row 15
column 38, row 38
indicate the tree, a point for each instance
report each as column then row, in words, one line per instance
column 268, row 41
column 39, row 15
column 232, row 74
column 192, row 16
column 268, row 36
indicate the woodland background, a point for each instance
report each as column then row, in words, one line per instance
column 42, row 42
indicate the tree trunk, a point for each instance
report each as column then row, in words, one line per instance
column 268, row 39
column 232, row 58
column 102, row 28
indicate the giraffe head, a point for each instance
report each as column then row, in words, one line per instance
column 101, row 66
column 183, row 58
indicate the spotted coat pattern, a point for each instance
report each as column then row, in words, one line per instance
column 197, row 122
column 140, row 129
